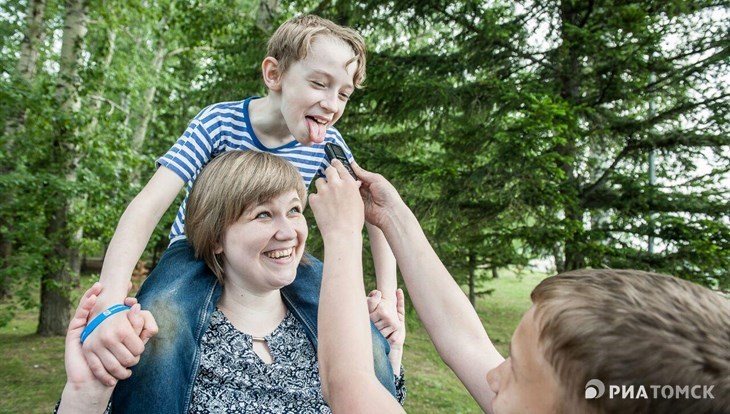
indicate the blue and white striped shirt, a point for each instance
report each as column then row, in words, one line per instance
column 225, row 127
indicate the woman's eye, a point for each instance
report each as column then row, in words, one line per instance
column 319, row 84
column 344, row 96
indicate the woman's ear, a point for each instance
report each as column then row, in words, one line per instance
column 218, row 249
column 271, row 73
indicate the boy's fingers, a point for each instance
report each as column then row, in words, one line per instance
column 381, row 324
column 124, row 355
column 400, row 303
column 374, row 300
column 387, row 331
column 130, row 301
column 150, row 327
column 135, row 346
column 97, row 368
column 111, row 365
column 135, row 319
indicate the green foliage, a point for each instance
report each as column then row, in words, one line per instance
column 514, row 130
column 518, row 131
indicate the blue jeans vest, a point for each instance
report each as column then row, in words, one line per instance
column 182, row 292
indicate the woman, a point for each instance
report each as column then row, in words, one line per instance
column 245, row 220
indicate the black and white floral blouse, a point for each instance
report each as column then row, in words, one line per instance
column 232, row 378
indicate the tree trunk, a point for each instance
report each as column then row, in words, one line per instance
column 266, row 14
column 472, row 276
column 570, row 91
column 28, row 61
column 63, row 262
column 559, row 258
column 27, row 64
column 55, row 304
column 495, row 275
column 140, row 132
column 95, row 105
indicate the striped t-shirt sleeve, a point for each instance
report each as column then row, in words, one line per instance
column 190, row 153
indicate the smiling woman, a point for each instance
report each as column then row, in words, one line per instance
column 251, row 351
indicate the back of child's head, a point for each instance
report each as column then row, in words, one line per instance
column 633, row 328
column 292, row 41
column 225, row 188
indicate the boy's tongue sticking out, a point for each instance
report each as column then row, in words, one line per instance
column 317, row 131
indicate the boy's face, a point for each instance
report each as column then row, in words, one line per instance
column 525, row 382
column 315, row 90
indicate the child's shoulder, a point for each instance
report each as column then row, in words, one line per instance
column 223, row 108
column 333, row 135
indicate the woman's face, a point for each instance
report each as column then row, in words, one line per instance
column 262, row 249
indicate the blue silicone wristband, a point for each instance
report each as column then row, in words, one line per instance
column 100, row 318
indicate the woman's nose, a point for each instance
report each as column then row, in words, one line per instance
column 285, row 229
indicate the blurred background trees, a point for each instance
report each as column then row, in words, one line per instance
column 516, row 130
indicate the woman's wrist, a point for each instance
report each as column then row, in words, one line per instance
column 85, row 398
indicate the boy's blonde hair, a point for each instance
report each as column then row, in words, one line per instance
column 628, row 327
column 227, row 186
column 292, row 41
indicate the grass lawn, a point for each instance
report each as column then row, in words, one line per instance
column 32, row 374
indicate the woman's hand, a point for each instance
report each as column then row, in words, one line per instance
column 381, row 199
column 337, row 205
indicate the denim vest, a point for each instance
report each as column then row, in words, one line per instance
column 182, row 293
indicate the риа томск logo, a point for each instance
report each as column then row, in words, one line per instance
column 595, row 389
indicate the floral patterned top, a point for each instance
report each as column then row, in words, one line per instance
column 232, row 378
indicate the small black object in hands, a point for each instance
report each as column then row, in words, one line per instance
column 335, row 151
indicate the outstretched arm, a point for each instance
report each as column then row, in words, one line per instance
column 345, row 351
column 386, row 278
column 113, row 346
column 451, row 321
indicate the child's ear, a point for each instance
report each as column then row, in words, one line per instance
column 218, row 248
column 271, row 73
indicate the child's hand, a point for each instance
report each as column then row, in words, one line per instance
column 396, row 332
column 117, row 344
column 388, row 316
column 383, row 313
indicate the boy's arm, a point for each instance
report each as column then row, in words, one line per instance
column 386, row 279
column 345, row 351
column 112, row 346
column 384, row 261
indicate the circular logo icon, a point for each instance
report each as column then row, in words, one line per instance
column 594, row 389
